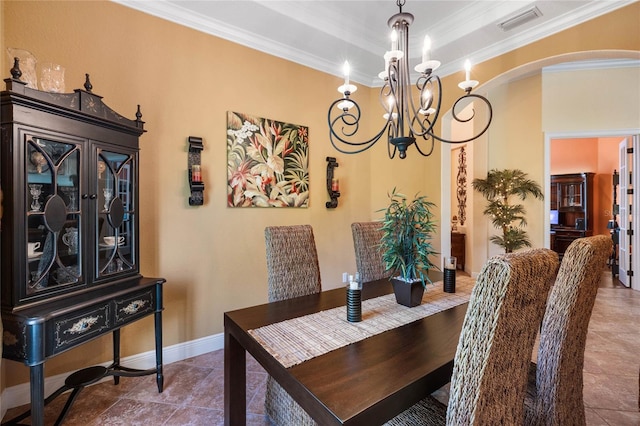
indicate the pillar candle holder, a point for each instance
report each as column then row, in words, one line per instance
column 332, row 184
column 449, row 283
column 194, row 172
column 354, row 300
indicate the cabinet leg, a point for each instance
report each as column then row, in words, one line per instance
column 116, row 353
column 159, row 375
column 36, row 378
column 158, row 330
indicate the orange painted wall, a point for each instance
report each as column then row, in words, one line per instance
column 574, row 156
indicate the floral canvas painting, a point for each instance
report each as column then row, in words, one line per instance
column 267, row 162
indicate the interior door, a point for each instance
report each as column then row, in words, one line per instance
column 624, row 265
column 634, row 261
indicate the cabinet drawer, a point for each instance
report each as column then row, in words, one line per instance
column 80, row 326
column 133, row 307
column 572, row 234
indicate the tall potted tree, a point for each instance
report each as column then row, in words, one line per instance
column 498, row 188
column 406, row 245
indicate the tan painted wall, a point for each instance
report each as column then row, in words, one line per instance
column 185, row 81
column 213, row 257
column 514, row 141
column 586, row 100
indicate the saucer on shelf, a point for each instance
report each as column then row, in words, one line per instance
column 111, row 245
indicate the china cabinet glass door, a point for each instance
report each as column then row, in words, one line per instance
column 115, row 213
column 571, row 194
column 53, row 215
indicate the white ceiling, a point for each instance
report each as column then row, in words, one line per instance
column 323, row 34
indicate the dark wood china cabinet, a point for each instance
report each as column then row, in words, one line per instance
column 571, row 208
column 69, row 237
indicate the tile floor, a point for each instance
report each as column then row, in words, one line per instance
column 193, row 392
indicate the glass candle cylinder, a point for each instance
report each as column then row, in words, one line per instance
column 449, row 283
column 196, row 175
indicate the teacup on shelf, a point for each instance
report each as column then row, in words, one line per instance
column 32, row 248
column 111, row 241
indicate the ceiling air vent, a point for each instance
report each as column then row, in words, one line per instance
column 520, row 19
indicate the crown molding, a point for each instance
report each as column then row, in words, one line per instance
column 593, row 65
column 172, row 11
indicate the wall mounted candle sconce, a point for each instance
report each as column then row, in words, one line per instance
column 333, row 186
column 196, row 186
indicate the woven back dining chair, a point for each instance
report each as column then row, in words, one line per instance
column 554, row 394
column 494, row 351
column 293, row 271
column 292, row 262
column 366, row 242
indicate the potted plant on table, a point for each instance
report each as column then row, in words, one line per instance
column 406, row 245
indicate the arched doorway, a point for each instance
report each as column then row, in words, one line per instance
column 478, row 247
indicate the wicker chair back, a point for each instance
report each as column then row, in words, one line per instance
column 494, row 351
column 555, row 384
column 293, row 270
column 366, row 242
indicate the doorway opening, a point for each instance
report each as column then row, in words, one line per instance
column 598, row 153
column 562, row 114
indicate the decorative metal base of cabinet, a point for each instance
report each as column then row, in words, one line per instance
column 85, row 377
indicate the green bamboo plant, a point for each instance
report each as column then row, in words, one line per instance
column 406, row 240
column 498, row 188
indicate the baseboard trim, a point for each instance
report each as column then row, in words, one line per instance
column 19, row 394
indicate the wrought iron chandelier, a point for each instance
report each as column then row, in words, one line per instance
column 405, row 122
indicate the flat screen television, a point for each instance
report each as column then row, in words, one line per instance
column 553, row 218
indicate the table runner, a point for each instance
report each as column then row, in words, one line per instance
column 299, row 339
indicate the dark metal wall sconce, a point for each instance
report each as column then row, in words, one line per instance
column 333, row 187
column 196, row 186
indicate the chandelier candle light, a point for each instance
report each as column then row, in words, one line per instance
column 404, row 122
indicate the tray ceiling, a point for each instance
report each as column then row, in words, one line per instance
column 323, row 34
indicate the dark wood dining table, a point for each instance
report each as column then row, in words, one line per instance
column 364, row 383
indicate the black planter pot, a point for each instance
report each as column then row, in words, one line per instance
column 408, row 293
